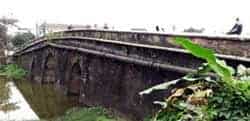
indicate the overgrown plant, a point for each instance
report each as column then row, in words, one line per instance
column 204, row 98
column 12, row 72
column 8, row 72
column 89, row 114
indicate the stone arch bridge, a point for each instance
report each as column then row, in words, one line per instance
column 109, row 68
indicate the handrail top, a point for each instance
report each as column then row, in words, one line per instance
column 181, row 34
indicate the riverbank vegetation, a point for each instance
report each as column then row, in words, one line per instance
column 223, row 95
column 8, row 72
column 89, row 114
column 12, row 72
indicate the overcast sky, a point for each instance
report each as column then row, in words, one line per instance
column 214, row 15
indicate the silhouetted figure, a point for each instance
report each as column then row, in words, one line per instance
column 237, row 28
column 157, row 28
column 70, row 27
column 105, row 26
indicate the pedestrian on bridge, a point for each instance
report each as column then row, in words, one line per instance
column 157, row 28
column 237, row 28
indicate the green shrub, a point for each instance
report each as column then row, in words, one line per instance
column 88, row 114
column 202, row 97
column 21, row 38
column 12, row 71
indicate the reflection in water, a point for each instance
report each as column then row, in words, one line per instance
column 45, row 100
column 18, row 108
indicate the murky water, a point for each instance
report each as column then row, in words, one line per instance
column 17, row 105
column 46, row 101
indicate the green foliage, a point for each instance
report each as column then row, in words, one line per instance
column 88, row 114
column 3, row 36
column 21, row 38
column 8, row 72
column 187, row 102
column 201, row 98
column 229, row 105
column 218, row 66
column 13, row 72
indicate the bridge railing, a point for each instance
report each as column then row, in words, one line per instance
column 223, row 44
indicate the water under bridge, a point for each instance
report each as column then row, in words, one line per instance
column 109, row 68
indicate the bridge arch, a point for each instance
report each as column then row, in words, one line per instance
column 74, row 72
column 74, row 82
column 49, row 69
column 32, row 68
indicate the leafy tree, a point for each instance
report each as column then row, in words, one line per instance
column 3, row 39
column 5, row 23
column 3, row 35
column 21, row 38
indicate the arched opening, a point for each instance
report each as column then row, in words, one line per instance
column 50, row 70
column 31, row 70
column 74, row 83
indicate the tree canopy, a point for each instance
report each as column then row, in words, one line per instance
column 20, row 38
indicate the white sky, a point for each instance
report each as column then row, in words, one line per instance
column 214, row 15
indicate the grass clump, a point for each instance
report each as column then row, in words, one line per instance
column 8, row 72
column 89, row 114
column 12, row 72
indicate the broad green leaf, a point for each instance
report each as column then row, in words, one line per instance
column 196, row 49
column 208, row 55
column 224, row 65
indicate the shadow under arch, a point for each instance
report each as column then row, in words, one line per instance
column 74, row 82
column 31, row 69
column 49, row 71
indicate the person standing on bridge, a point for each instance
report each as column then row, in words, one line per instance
column 237, row 28
column 70, row 27
column 157, row 28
